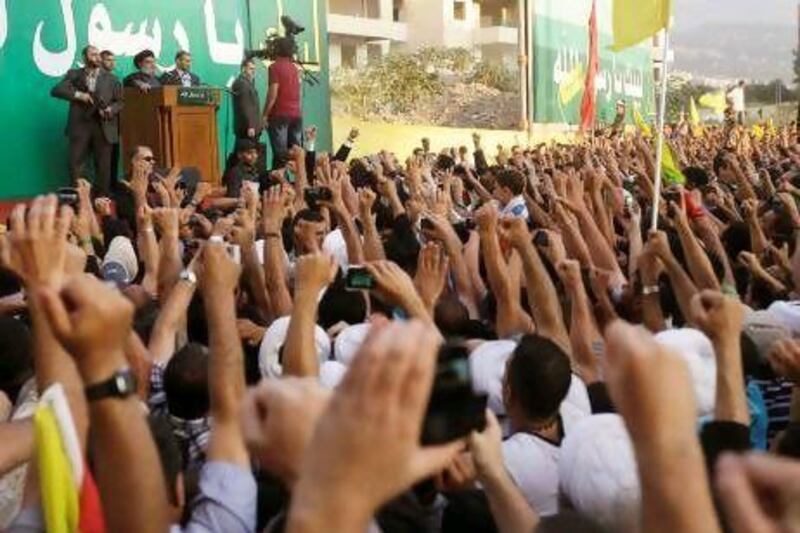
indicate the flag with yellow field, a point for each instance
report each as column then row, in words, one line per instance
column 637, row 20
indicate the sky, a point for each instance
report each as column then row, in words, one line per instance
column 750, row 39
column 695, row 13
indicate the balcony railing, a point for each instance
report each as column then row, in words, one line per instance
column 370, row 28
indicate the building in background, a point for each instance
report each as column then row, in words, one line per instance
column 362, row 31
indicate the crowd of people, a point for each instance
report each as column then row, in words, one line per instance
column 273, row 354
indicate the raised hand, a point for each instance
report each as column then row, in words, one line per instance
column 376, row 415
column 487, row 217
column 718, row 316
column 278, row 419
column 91, row 320
column 274, row 209
column 166, row 220
column 314, row 272
column 37, row 242
column 515, row 231
column 217, row 272
column 431, row 276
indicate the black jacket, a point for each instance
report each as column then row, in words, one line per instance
column 107, row 93
column 246, row 107
column 173, row 78
column 151, row 80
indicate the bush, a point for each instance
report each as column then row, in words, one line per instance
column 392, row 85
column 496, row 76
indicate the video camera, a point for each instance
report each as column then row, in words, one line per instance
column 270, row 50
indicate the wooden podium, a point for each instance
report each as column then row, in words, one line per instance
column 178, row 123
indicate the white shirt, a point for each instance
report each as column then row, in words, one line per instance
column 516, row 208
column 532, row 463
column 736, row 97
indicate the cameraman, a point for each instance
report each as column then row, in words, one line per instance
column 283, row 116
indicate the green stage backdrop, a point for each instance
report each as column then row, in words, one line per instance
column 561, row 49
column 40, row 40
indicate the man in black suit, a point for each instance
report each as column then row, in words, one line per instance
column 95, row 101
column 182, row 74
column 247, row 124
column 144, row 78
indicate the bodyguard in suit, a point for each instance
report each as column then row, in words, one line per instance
column 247, row 122
column 182, row 74
column 246, row 108
column 95, row 101
column 144, row 78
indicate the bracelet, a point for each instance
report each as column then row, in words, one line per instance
column 652, row 289
column 273, row 235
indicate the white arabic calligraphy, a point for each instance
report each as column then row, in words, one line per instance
column 224, row 53
column 124, row 42
column 56, row 63
column 3, row 23
column 615, row 80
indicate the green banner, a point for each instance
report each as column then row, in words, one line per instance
column 40, row 40
column 561, row 48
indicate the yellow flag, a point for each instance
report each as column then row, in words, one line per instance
column 715, row 101
column 758, row 131
column 641, row 124
column 670, row 172
column 58, row 491
column 694, row 115
column 637, row 20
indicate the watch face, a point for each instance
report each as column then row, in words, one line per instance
column 122, row 384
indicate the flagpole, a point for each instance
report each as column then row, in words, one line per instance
column 662, row 112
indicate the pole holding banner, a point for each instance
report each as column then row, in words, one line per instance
column 662, row 112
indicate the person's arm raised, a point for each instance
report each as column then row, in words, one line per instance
column 395, row 286
column 682, row 284
column 431, row 275
column 243, row 235
column 93, row 321
column 696, row 258
column 457, row 254
column 218, row 280
column 651, row 389
column 583, row 331
column 37, row 254
column 355, row 250
column 511, row 319
column 314, row 273
column 273, row 214
column 373, row 246
column 375, row 414
column 720, row 317
column 170, row 262
column 542, row 295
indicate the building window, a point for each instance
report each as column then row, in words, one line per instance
column 460, row 10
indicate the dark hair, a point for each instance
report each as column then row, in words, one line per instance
column 285, row 47
column 106, row 53
column 247, row 61
column 512, row 179
column 538, row 376
column 16, row 362
column 169, row 454
column 186, row 382
column 789, row 443
column 139, row 58
column 696, row 177
column 85, row 51
column 181, row 54
column 451, row 316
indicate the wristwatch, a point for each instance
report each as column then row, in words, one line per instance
column 188, row 276
column 121, row 385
